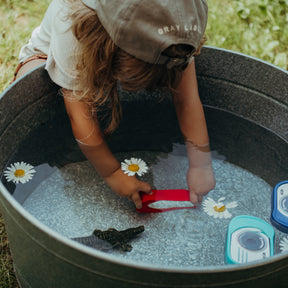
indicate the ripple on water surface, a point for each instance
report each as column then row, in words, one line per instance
column 74, row 201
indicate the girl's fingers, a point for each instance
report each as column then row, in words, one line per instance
column 194, row 198
column 135, row 197
column 144, row 187
column 137, row 200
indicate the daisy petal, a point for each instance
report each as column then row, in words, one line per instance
column 232, row 204
column 134, row 166
column 284, row 244
column 218, row 209
column 19, row 172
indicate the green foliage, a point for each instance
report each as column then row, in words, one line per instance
column 254, row 27
column 17, row 20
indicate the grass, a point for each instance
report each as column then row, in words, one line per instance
column 254, row 27
column 17, row 20
column 7, row 277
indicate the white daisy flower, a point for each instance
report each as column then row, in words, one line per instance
column 218, row 209
column 19, row 172
column 284, row 244
column 134, row 166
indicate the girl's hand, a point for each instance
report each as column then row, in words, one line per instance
column 200, row 175
column 127, row 186
column 200, row 181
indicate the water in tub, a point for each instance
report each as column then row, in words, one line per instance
column 73, row 200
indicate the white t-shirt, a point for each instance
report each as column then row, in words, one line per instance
column 55, row 39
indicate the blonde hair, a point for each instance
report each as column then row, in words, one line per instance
column 102, row 65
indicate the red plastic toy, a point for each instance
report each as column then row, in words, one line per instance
column 163, row 195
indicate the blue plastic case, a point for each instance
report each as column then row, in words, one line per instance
column 248, row 239
column 279, row 214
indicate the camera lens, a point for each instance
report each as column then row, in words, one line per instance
column 284, row 204
column 252, row 241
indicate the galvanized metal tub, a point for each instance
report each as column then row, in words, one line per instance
column 234, row 84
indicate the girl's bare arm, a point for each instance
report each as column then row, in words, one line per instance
column 200, row 175
column 87, row 133
column 189, row 108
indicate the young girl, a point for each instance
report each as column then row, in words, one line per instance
column 90, row 46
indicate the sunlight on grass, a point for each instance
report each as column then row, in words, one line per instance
column 17, row 20
column 254, row 27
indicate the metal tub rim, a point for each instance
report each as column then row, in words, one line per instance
column 129, row 263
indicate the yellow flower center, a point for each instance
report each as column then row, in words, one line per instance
column 133, row 167
column 220, row 208
column 19, row 173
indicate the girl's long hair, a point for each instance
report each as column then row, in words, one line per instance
column 102, row 65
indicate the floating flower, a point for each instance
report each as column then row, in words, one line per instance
column 19, row 172
column 134, row 166
column 218, row 209
column 284, row 244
